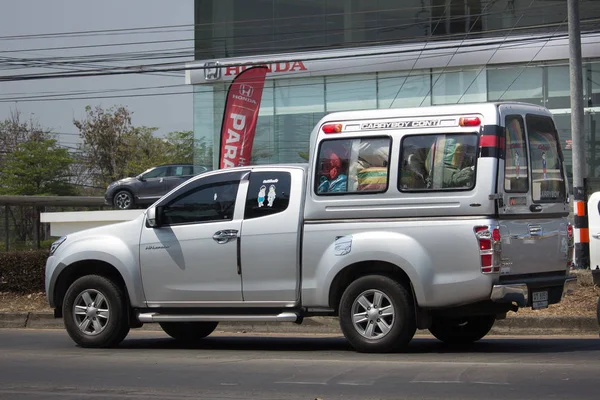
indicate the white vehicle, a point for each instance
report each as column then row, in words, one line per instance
column 593, row 212
column 441, row 218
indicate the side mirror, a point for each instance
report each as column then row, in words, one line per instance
column 154, row 216
column 141, row 178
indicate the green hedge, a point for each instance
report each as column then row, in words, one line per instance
column 23, row 271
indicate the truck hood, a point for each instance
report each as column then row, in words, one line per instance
column 126, row 231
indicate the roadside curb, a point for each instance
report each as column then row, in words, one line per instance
column 514, row 325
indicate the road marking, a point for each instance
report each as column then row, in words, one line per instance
column 357, row 383
column 302, row 383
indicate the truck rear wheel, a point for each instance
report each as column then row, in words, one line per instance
column 461, row 330
column 377, row 315
column 95, row 312
column 188, row 331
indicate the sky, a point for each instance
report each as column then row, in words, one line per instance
column 27, row 17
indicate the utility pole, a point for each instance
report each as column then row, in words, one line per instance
column 581, row 231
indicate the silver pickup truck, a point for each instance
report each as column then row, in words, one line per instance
column 442, row 218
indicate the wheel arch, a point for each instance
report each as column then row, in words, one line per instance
column 81, row 268
column 363, row 268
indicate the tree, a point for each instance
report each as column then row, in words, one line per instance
column 31, row 163
column 14, row 131
column 181, row 146
column 37, row 167
column 107, row 142
column 149, row 151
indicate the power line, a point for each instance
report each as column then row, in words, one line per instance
column 55, row 97
column 168, row 67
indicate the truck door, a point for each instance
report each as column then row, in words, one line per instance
column 191, row 258
column 594, row 226
column 534, row 207
column 270, row 239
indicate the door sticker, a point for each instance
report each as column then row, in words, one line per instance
column 544, row 165
column 261, row 195
column 343, row 245
column 271, row 196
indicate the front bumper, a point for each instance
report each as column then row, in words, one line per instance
column 520, row 292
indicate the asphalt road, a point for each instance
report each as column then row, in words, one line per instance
column 148, row 365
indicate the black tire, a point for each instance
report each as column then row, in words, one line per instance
column 103, row 328
column 401, row 326
column 188, row 331
column 461, row 331
column 123, row 200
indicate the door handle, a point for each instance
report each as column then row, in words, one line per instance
column 535, row 230
column 596, row 235
column 225, row 236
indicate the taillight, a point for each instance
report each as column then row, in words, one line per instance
column 332, row 128
column 489, row 248
column 570, row 231
column 469, row 121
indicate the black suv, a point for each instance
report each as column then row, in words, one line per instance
column 149, row 186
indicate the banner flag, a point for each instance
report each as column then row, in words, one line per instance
column 240, row 116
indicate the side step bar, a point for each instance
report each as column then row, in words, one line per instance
column 156, row 317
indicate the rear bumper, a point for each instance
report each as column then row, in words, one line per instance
column 520, row 292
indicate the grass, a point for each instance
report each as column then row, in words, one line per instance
column 582, row 302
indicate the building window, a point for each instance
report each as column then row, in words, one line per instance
column 438, row 162
column 593, row 84
column 398, row 89
column 519, row 83
column 459, row 87
column 559, row 88
column 351, row 92
column 299, row 104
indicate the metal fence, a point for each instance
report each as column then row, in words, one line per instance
column 22, row 229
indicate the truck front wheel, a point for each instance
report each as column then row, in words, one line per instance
column 461, row 331
column 377, row 315
column 95, row 312
column 188, row 331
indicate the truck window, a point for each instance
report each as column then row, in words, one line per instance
column 268, row 193
column 516, row 169
column 438, row 162
column 212, row 202
column 359, row 165
column 547, row 180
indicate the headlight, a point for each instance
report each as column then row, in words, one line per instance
column 56, row 244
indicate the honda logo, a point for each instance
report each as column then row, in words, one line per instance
column 246, row 90
column 212, row 71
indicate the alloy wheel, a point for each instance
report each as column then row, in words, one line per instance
column 373, row 314
column 91, row 312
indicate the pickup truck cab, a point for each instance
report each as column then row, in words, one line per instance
column 443, row 218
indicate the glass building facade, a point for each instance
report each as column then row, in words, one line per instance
column 233, row 28
column 293, row 103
